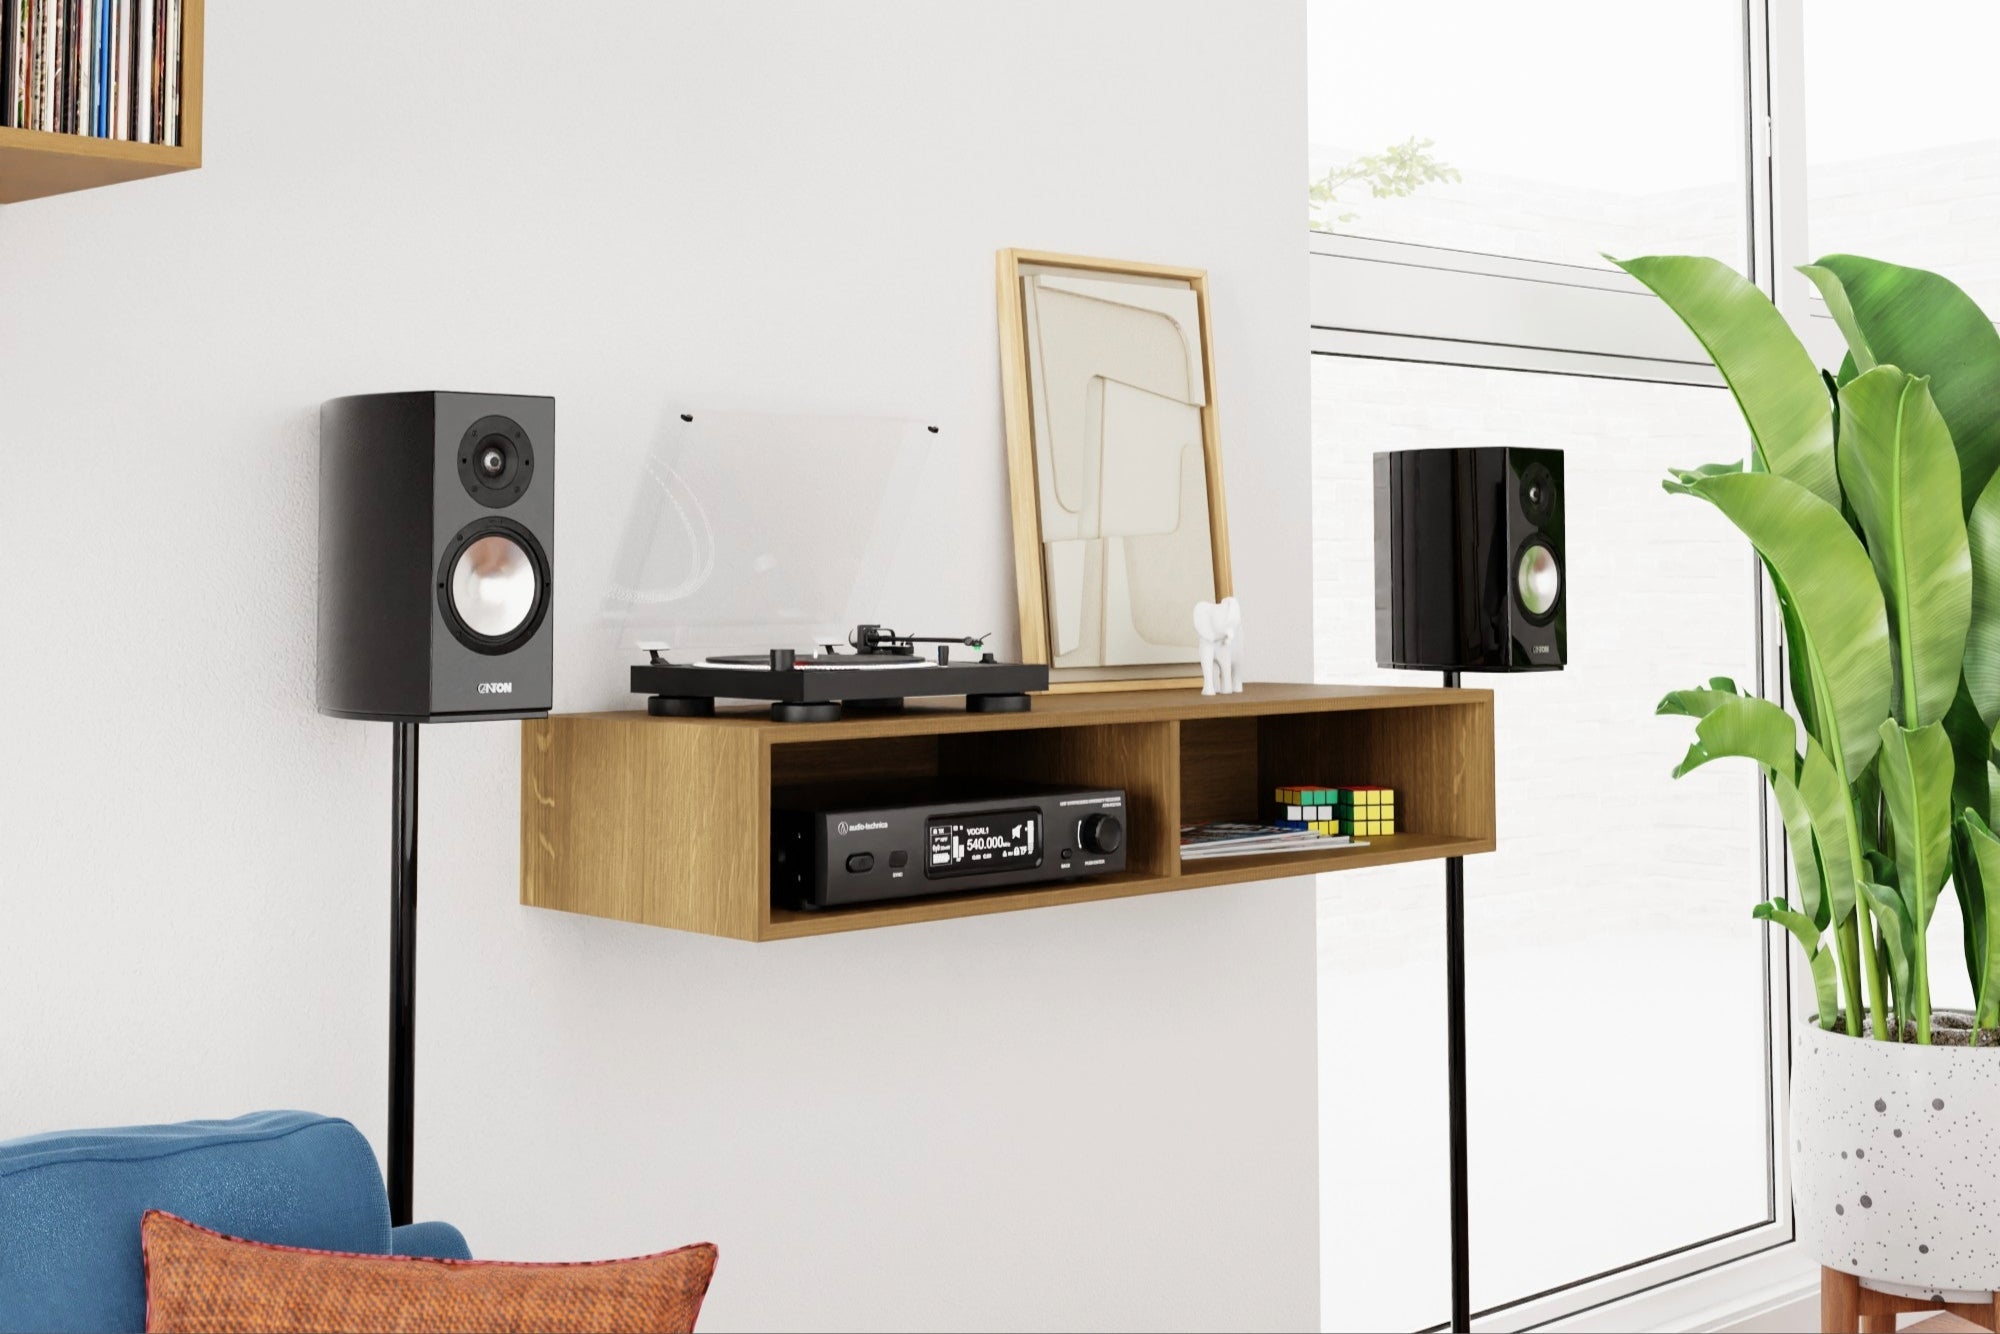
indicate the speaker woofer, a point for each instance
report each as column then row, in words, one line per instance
column 1538, row 580
column 493, row 585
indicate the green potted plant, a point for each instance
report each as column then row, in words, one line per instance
column 1871, row 497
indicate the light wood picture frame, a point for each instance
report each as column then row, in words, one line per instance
column 1117, row 635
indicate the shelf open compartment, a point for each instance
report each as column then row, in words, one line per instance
column 1138, row 757
column 1437, row 757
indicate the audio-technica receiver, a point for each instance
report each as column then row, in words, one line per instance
column 844, row 846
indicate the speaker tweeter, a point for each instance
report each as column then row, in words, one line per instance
column 496, row 461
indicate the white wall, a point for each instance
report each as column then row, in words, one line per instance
column 1099, row 1116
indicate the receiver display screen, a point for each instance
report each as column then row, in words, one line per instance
column 997, row 841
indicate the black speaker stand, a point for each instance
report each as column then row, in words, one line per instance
column 1454, row 990
column 403, row 975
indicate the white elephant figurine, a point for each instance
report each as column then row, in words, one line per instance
column 1220, row 625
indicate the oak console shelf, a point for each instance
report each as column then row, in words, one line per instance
column 666, row 821
column 35, row 163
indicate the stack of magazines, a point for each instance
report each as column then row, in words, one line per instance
column 110, row 69
column 1231, row 838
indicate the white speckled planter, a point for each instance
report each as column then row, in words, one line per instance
column 1896, row 1162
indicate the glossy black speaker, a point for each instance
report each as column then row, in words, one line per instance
column 436, row 556
column 1469, row 560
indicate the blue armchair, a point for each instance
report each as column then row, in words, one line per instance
column 70, row 1206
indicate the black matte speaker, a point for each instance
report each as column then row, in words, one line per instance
column 436, row 556
column 1469, row 560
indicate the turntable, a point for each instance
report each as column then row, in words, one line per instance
column 714, row 560
column 878, row 672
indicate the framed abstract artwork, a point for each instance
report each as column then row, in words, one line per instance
column 1113, row 459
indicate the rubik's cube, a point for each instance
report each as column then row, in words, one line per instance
column 1314, row 808
column 1368, row 810
column 1360, row 811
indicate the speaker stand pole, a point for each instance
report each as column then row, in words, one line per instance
column 1454, row 984
column 403, row 976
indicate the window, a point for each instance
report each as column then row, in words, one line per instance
column 1910, row 170
column 1603, row 128
column 1610, row 943
column 1610, row 946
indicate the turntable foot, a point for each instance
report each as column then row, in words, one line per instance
column 681, row 706
column 805, row 713
column 1015, row 703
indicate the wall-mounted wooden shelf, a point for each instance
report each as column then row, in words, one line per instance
column 666, row 821
column 35, row 164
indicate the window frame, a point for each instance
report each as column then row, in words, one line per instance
column 1398, row 301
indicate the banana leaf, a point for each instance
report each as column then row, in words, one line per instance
column 1983, row 910
column 1700, row 701
column 1826, row 983
column 1925, row 324
column 1916, row 788
column 1834, row 837
column 1798, row 673
column 1892, row 919
column 1975, row 779
column 1799, row 842
column 1968, row 882
column 1916, row 770
column 1774, row 379
column 1718, row 693
column 1842, row 627
column 1707, row 470
column 1866, row 789
column 1743, row 725
column 1898, row 470
column 1859, row 359
column 1982, row 644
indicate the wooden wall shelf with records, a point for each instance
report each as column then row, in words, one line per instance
column 38, row 162
column 667, row 821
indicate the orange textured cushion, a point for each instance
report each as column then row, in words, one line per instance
column 202, row 1282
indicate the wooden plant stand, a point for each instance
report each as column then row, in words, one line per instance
column 1845, row 1305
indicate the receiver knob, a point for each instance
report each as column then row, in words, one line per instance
column 1101, row 833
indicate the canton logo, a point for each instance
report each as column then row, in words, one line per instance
column 496, row 687
column 860, row 826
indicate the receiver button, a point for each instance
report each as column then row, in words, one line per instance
column 899, row 858
column 861, row 861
